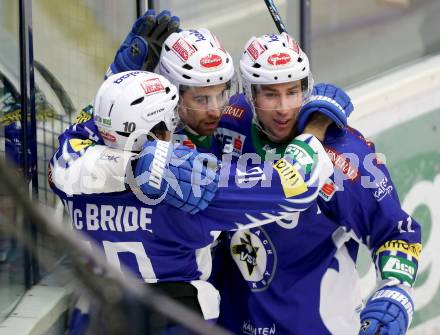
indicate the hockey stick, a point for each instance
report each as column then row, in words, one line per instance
column 273, row 10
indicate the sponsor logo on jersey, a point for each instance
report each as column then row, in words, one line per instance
column 152, row 86
column 328, row 190
column 231, row 141
column 291, row 181
column 399, row 268
column 183, row 49
column 279, row 59
column 342, row 164
column 249, row 329
column 255, row 256
column 78, row 145
column 255, row 49
column 412, row 249
column 210, row 61
column 233, row 111
column 383, row 189
column 107, row 136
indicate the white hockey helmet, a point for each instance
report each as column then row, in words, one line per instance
column 130, row 104
column 195, row 58
column 274, row 59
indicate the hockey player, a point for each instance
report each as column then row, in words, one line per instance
column 302, row 278
column 160, row 244
column 296, row 287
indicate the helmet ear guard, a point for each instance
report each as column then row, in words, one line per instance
column 129, row 105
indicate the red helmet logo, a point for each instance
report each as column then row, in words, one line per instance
column 107, row 136
column 279, row 59
column 151, row 86
column 211, row 61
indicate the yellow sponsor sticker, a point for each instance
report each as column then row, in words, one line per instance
column 291, row 181
column 83, row 116
column 412, row 249
column 78, row 145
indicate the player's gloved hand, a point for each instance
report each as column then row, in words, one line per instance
column 185, row 178
column 388, row 312
column 141, row 48
column 329, row 100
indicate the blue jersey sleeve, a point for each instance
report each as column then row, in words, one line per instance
column 366, row 203
column 264, row 193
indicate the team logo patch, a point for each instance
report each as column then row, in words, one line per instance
column 255, row 256
column 211, row 61
column 328, row 190
column 152, row 86
column 78, row 145
column 279, row 59
column 183, row 49
column 255, row 49
column 291, row 181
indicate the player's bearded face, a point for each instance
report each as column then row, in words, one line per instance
column 277, row 107
column 201, row 107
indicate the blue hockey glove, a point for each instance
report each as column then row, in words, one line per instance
column 329, row 100
column 388, row 312
column 141, row 48
column 183, row 177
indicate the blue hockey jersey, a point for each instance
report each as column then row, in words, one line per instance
column 298, row 275
column 296, row 270
column 161, row 243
